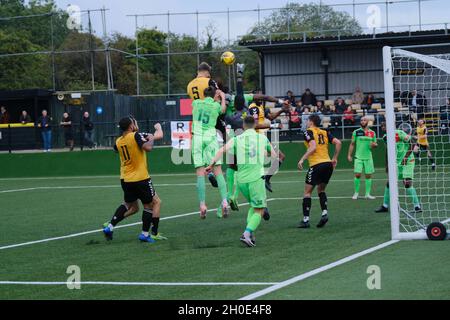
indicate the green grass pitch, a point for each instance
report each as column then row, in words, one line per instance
column 202, row 252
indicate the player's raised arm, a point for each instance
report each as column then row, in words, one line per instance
column 337, row 149
column 267, row 98
column 312, row 146
column 159, row 134
column 220, row 95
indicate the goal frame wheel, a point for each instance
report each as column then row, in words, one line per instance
column 436, row 231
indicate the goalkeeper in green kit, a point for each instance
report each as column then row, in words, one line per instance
column 364, row 140
column 405, row 169
column 250, row 149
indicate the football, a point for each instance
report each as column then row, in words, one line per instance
column 228, row 58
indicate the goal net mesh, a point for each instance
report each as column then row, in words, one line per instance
column 422, row 92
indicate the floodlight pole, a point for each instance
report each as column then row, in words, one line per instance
column 91, row 47
column 138, row 87
column 198, row 39
column 53, row 52
column 168, row 53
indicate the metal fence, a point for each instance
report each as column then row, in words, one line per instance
column 97, row 59
column 15, row 138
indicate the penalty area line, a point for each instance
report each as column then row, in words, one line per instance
column 314, row 272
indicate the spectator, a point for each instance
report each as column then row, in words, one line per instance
column 358, row 96
column 349, row 116
column 305, row 117
column 4, row 115
column 445, row 110
column 370, row 100
column 46, row 130
column 66, row 123
column 445, row 117
column 294, row 118
column 404, row 98
column 24, row 117
column 340, row 106
column 325, row 110
column 88, row 127
column 299, row 107
column 417, row 103
column 290, row 97
column 308, row 98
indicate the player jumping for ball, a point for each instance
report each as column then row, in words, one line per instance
column 250, row 149
column 320, row 168
column 238, row 105
column 196, row 91
column 422, row 143
column 364, row 140
column 261, row 115
column 136, row 182
column 205, row 146
column 405, row 169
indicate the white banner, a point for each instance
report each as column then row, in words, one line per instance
column 181, row 134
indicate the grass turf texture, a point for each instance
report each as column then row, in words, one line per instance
column 207, row 251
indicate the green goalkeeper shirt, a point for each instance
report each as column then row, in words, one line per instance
column 248, row 100
column 363, row 140
column 403, row 145
column 250, row 149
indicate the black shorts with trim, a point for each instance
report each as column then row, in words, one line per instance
column 141, row 190
column 319, row 174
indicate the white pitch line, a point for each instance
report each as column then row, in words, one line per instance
column 99, row 230
column 314, row 272
column 138, row 223
column 146, row 284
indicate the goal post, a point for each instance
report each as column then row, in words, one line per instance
column 417, row 88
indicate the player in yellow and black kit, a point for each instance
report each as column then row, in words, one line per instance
column 135, row 179
column 422, row 143
column 196, row 91
column 263, row 118
column 320, row 167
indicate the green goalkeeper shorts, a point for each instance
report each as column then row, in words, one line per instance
column 204, row 149
column 255, row 193
column 364, row 166
column 406, row 171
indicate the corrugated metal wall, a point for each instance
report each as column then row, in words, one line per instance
column 348, row 68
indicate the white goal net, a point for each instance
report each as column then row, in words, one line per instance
column 417, row 92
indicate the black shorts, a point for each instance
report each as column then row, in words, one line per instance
column 142, row 190
column 424, row 147
column 319, row 174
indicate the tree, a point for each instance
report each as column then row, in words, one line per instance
column 311, row 18
column 22, row 72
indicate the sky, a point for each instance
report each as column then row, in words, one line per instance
column 406, row 13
